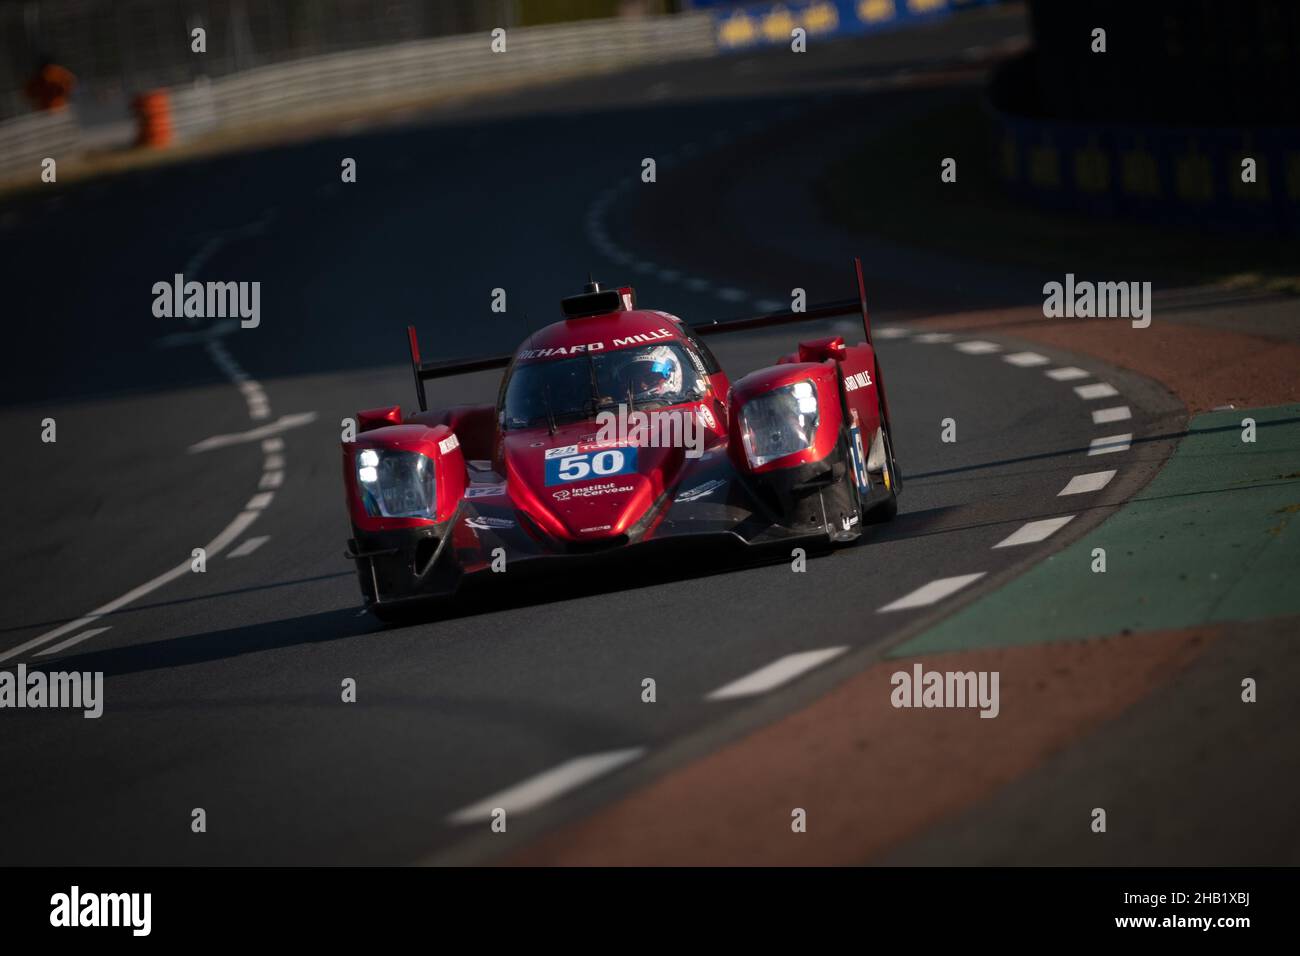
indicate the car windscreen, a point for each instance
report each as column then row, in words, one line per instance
column 578, row 388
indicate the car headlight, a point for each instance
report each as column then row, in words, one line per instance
column 780, row 422
column 396, row 484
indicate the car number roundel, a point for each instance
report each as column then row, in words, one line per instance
column 603, row 463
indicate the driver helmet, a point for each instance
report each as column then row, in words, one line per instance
column 654, row 374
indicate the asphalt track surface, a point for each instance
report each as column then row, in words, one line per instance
column 223, row 688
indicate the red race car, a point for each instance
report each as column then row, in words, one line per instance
column 615, row 429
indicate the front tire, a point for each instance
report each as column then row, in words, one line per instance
column 887, row 509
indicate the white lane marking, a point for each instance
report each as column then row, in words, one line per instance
column 780, row 671
column 1082, row 484
column 669, row 275
column 214, row 547
column 1026, row 359
column 259, row 501
column 273, row 463
column 249, row 546
column 697, row 285
column 933, row 592
column 75, row 639
column 1095, row 390
column 1113, row 443
column 730, row 295
column 547, row 785
column 977, row 347
column 769, row 305
column 283, row 423
column 1034, row 531
column 1104, row 416
column 891, row 332
column 1067, row 374
column 934, row 338
column 644, row 267
column 271, row 479
column 273, row 445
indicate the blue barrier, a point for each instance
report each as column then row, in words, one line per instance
column 753, row 25
column 1165, row 174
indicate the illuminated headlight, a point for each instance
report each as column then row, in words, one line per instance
column 779, row 423
column 396, row 484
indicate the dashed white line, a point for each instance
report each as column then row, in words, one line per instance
column 769, row 305
column 271, row 479
column 271, row 445
column 1067, row 374
column 933, row 592
column 1113, row 443
column 890, row 332
column 730, row 295
column 1026, row 359
column 780, row 671
column 1104, row 416
column 214, row 547
column 934, row 338
column 697, row 285
column 249, row 546
column 259, row 501
column 548, row 785
column 977, row 347
column 75, row 639
column 669, row 275
column 1034, row 531
column 283, row 423
column 1095, row 390
column 1082, row 484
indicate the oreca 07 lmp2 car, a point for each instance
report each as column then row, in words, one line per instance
column 614, row 430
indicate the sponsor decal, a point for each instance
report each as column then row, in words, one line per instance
column 449, row 444
column 591, row 491
column 483, row 523
column 592, row 464
column 856, row 381
column 485, row 491
column 560, row 452
column 859, row 457
column 561, row 350
column 707, row 417
column 700, row 491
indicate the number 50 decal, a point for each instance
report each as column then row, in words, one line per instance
column 592, row 464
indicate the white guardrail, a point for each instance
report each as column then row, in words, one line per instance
column 26, row 140
column 347, row 81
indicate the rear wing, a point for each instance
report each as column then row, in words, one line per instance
column 823, row 310
column 426, row 370
column 423, row 371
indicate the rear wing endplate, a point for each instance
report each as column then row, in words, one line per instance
column 423, row 371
